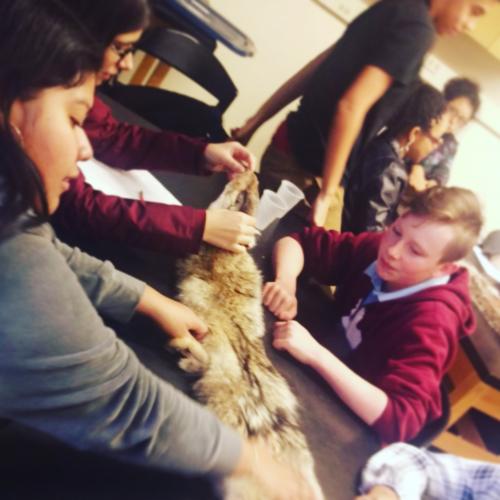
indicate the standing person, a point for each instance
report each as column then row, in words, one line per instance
column 62, row 371
column 403, row 302
column 403, row 472
column 462, row 96
column 116, row 26
column 379, row 181
column 351, row 90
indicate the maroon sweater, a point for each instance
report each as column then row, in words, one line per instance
column 408, row 343
column 152, row 226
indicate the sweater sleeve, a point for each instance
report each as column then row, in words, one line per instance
column 126, row 146
column 330, row 257
column 63, row 372
column 112, row 293
column 413, row 372
column 153, row 226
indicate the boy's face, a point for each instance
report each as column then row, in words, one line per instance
column 425, row 142
column 457, row 16
column 411, row 251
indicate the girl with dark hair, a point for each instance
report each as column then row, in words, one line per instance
column 62, row 371
column 375, row 189
column 463, row 101
column 117, row 25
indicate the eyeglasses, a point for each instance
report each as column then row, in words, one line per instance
column 121, row 52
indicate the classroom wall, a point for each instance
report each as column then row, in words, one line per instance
column 287, row 34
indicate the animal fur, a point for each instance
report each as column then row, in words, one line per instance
column 237, row 380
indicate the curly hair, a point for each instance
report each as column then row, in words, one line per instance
column 463, row 87
column 424, row 105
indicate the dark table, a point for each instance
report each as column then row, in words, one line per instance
column 34, row 466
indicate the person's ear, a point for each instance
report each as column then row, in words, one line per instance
column 445, row 268
column 413, row 135
column 16, row 118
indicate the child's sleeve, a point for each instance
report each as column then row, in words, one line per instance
column 412, row 373
column 330, row 257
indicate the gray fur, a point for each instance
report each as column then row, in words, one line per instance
column 237, row 380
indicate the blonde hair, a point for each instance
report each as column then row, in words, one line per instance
column 455, row 206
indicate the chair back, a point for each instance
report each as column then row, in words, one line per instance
column 185, row 53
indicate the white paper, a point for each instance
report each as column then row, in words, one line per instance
column 131, row 184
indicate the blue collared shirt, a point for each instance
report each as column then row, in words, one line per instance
column 377, row 295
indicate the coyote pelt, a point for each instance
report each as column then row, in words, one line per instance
column 237, row 380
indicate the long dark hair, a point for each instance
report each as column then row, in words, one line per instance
column 105, row 19
column 41, row 46
column 424, row 105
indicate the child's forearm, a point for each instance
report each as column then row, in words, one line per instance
column 364, row 398
column 288, row 261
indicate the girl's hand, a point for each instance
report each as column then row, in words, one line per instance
column 229, row 230
column 229, row 157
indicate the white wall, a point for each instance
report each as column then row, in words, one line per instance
column 287, row 34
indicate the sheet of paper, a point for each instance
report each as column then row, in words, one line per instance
column 131, row 184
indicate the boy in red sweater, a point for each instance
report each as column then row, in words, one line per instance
column 403, row 300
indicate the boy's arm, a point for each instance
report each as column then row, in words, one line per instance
column 364, row 398
column 368, row 87
column 292, row 89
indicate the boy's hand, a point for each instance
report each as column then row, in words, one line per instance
column 296, row 340
column 229, row 157
column 319, row 211
column 280, row 299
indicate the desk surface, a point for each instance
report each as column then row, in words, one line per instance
column 339, row 441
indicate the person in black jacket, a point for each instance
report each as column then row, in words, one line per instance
column 381, row 177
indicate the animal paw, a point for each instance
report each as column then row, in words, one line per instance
column 194, row 357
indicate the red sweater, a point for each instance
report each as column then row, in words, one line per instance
column 408, row 343
column 152, row 226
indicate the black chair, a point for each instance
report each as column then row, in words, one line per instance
column 170, row 110
column 432, row 430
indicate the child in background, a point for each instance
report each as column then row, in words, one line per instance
column 378, row 182
column 462, row 96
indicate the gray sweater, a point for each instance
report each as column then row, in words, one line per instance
column 63, row 372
